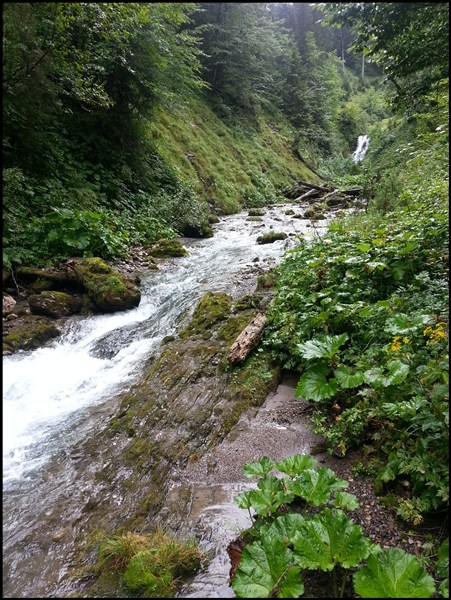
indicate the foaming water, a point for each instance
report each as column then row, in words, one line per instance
column 56, row 396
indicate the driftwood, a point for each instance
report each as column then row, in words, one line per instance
column 308, row 194
column 303, row 190
column 247, row 339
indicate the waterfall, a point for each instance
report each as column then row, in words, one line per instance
column 362, row 146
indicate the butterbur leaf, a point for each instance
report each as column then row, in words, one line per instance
column 316, row 485
column 294, row 465
column 269, row 496
column 328, row 539
column 313, row 384
column 397, row 372
column 286, row 526
column 393, row 573
column 243, row 500
column 346, row 501
column 259, row 468
column 347, row 378
column 325, row 346
column 267, row 570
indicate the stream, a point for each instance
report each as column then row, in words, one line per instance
column 57, row 396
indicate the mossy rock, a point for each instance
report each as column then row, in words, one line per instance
column 254, row 219
column 54, row 304
column 256, row 212
column 248, row 301
column 33, row 333
column 107, row 288
column 272, row 236
column 290, row 211
column 212, row 309
column 197, row 231
column 167, row 248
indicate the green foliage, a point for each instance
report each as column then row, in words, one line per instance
column 442, row 568
column 393, row 573
column 361, row 313
column 288, row 536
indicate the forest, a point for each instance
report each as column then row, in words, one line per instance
column 129, row 123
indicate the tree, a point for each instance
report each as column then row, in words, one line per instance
column 409, row 41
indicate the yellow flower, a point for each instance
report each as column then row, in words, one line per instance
column 435, row 334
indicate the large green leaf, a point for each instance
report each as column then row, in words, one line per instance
column 294, row 465
column 328, row 539
column 378, row 377
column 325, row 346
column 269, row 496
column 348, row 378
column 316, row 485
column 393, row 573
column 258, row 468
column 267, row 570
column 286, row 526
column 313, row 384
column 346, row 501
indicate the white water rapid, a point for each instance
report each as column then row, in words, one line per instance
column 362, row 147
column 55, row 396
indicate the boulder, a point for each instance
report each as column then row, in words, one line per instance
column 271, row 237
column 32, row 333
column 54, row 304
column 167, row 248
column 108, row 289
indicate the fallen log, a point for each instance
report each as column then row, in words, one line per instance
column 308, row 194
column 247, row 339
column 66, row 277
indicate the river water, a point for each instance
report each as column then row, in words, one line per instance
column 56, row 396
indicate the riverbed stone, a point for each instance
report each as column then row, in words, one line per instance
column 271, row 237
column 31, row 333
column 54, row 304
column 165, row 248
column 108, row 289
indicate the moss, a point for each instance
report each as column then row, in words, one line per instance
column 94, row 265
column 248, row 301
column 212, row 309
column 34, row 332
column 167, row 248
column 231, row 329
column 256, row 212
column 272, row 236
column 254, row 219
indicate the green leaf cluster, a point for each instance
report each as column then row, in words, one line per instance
column 294, row 530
